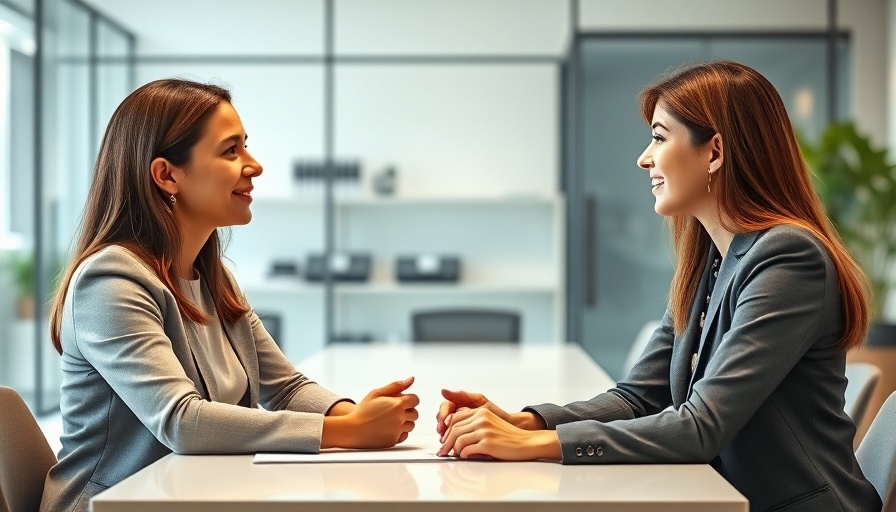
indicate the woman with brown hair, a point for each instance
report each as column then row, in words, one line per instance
column 746, row 371
column 160, row 351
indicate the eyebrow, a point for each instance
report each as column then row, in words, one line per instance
column 661, row 125
column 235, row 138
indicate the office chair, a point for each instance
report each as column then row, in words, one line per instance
column 638, row 346
column 862, row 379
column 25, row 456
column 466, row 325
column 877, row 453
column 272, row 323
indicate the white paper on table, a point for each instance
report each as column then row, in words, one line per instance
column 403, row 453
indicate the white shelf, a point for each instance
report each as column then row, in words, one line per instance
column 371, row 201
column 343, row 289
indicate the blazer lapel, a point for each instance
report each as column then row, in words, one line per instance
column 739, row 246
column 685, row 346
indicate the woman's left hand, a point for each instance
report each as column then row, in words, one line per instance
column 480, row 433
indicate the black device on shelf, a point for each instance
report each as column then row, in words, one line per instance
column 283, row 268
column 351, row 337
column 310, row 175
column 427, row 268
column 344, row 266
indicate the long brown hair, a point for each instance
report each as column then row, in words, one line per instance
column 763, row 181
column 165, row 118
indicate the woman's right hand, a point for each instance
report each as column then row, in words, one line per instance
column 382, row 419
column 455, row 400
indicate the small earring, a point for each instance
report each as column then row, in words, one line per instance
column 173, row 199
column 708, row 191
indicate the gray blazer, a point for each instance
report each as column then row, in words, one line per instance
column 132, row 391
column 765, row 405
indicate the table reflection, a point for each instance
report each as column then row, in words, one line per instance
column 492, row 479
column 186, row 478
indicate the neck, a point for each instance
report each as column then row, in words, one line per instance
column 192, row 241
column 720, row 236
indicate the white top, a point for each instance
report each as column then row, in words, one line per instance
column 229, row 381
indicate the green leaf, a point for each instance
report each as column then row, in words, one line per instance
column 857, row 185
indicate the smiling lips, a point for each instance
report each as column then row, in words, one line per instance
column 245, row 193
column 657, row 181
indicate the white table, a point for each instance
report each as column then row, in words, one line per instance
column 512, row 376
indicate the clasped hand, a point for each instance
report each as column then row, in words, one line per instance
column 471, row 426
column 382, row 419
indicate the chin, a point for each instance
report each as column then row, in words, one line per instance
column 241, row 220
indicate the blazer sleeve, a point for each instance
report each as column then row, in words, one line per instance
column 282, row 386
column 780, row 311
column 117, row 325
column 644, row 391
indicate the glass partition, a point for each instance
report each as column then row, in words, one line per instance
column 50, row 90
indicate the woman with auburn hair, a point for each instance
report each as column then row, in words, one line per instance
column 746, row 371
column 160, row 351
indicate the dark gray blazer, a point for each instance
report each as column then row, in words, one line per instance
column 765, row 406
column 132, row 391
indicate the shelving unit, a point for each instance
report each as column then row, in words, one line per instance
column 511, row 249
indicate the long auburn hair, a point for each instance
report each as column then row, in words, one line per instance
column 763, row 181
column 165, row 118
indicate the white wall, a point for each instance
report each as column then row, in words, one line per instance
column 455, row 130
column 867, row 22
column 231, row 27
column 505, row 27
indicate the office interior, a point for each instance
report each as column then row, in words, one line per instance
column 490, row 145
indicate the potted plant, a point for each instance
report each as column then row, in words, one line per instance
column 857, row 184
column 20, row 267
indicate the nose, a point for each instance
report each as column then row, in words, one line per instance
column 252, row 168
column 645, row 161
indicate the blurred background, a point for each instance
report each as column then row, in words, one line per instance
column 432, row 167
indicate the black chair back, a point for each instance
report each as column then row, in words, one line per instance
column 466, row 325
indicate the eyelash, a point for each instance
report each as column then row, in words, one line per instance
column 232, row 149
column 657, row 138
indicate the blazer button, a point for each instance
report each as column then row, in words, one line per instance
column 578, row 452
column 590, row 451
column 600, row 451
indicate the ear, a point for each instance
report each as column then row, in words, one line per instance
column 716, row 153
column 165, row 175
